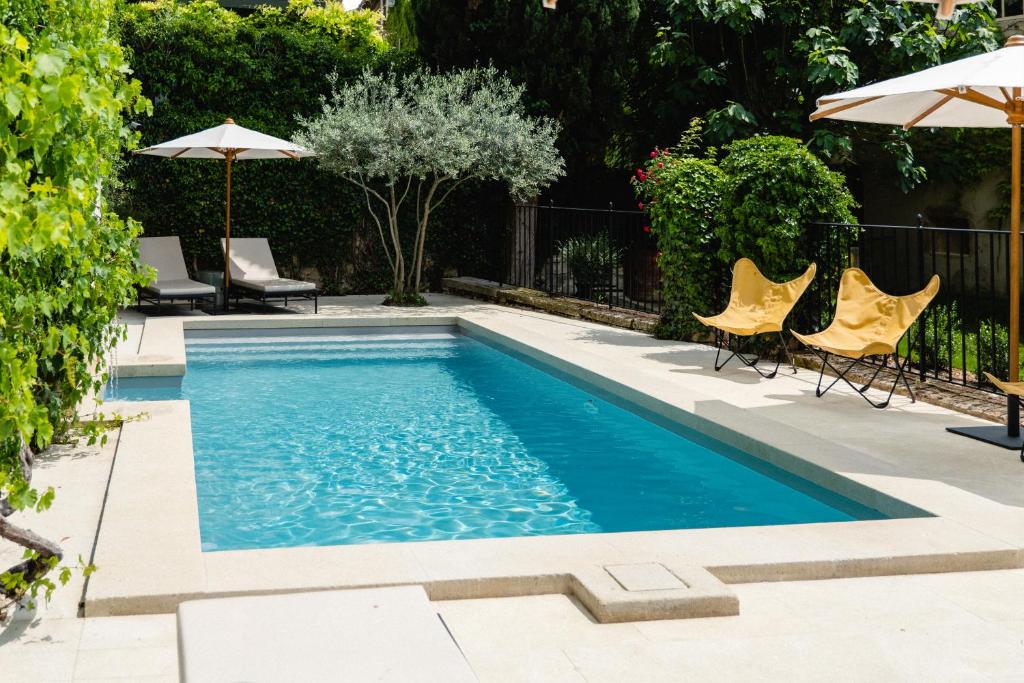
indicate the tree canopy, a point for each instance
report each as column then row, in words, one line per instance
column 420, row 136
column 623, row 76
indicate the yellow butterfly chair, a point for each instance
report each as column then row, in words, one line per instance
column 1010, row 389
column 868, row 322
column 756, row 306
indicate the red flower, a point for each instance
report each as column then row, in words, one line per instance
column 665, row 153
column 654, row 154
column 661, row 165
column 641, row 205
column 647, row 228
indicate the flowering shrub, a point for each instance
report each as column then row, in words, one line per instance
column 706, row 214
column 682, row 194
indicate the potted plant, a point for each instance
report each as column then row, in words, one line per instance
column 591, row 260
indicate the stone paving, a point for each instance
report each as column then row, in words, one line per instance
column 937, row 627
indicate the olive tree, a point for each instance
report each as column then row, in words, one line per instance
column 415, row 138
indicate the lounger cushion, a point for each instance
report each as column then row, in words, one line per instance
column 276, row 285
column 251, row 259
column 183, row 288
column 163, row 254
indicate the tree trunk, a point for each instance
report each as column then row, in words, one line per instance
column 38, row 566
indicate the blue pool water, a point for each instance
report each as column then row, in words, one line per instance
column 324, row 438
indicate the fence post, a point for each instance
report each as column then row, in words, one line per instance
column 923, row 320
column 502, row 243
column 611, row 250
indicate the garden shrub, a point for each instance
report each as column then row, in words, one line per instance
column 66, row 262
column 755, row 202
column 774, row 187
column 200, row 64
column 683, row 197
column 591, row 260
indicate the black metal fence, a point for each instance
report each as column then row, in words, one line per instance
column 965, row 330
column 608, row 256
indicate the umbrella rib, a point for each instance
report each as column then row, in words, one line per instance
column 1006, row 94
column 974, row 96
column 842, row 107
column 288, row 154
column 927, row 112
column 180, row 152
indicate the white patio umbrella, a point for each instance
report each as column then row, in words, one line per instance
column 228, row 142
column 984, row 91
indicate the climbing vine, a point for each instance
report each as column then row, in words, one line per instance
column 66, row 263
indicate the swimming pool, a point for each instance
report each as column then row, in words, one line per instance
column 327, row 437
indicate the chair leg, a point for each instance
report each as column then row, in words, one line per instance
column 842, row 375
column 785, row 349
column 736, row 351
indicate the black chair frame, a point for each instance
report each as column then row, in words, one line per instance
column 239, row 293
column 735, row 349
column 899, row 367
column 151, row 297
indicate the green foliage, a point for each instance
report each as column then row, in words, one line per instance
column 984, row 347
column 200, row 64
column 591, row 259
column 400, row 26
column 774, row 187
column 757, row 66
column 577, row 62
column 683, row 197
column 66, row 262
column 419, row 137
column 755, row 202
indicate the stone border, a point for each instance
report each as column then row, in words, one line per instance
column 149, row 550
column 512, row 295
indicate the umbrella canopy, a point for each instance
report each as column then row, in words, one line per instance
column 976, row 92
column 227, row 138
column 984, row 91
column 228, row 142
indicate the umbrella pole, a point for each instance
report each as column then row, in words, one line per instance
column 1012, row 404
column 229, row 157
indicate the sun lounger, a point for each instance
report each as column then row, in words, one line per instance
column 163, row 254
column 868, row 322
column 254, row 274
column 756, row 306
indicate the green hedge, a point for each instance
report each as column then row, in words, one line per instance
column 200, row 64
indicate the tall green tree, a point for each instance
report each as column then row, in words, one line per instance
column 757, row 66
column 577, row 62
column 66, row 263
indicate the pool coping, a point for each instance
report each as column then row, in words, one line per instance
column 149, row 553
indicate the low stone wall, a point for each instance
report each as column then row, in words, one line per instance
column 512, row 295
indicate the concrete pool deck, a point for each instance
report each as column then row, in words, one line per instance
column 949, row 626
column 962, row 499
